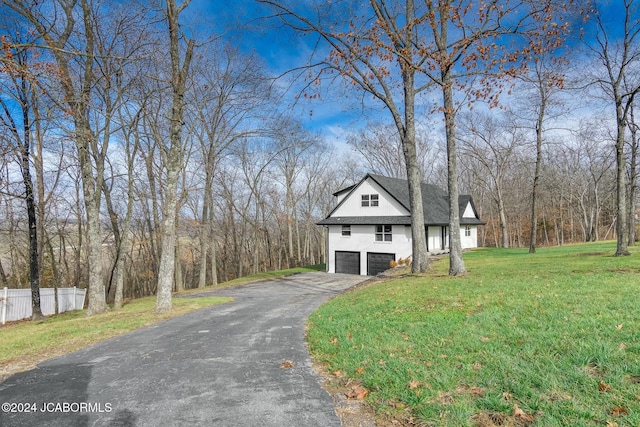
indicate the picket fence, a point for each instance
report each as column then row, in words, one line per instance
column 15, row 304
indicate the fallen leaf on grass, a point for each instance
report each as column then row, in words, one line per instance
column 612, row 424
column 619, row 411
column 286, row 364
column 358, row 392
column 414, row 384
column 604, row 387
column 360, row 370
column 618, row 327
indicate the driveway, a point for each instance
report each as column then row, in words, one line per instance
column 219, row 366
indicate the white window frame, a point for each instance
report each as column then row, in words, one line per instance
column 346, row 231
column 370, row 200
column 384, row 233
column 467, row 231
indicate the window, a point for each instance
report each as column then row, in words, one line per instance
column 383, row 233
column 467, row 231
column 346, row 230
column 370, row 200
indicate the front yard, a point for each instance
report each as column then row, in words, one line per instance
column 550, row 339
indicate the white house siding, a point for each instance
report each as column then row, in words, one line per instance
column 468, row 212
column 362, row 240
column 469, row 241
column 434, row 239
column 387, row 205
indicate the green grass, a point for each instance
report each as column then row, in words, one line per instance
column 556, row 333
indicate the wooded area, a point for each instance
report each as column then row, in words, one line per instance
column 131, row 143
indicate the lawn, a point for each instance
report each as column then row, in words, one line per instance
column 550, row 339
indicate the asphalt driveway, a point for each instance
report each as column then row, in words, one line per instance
column 218, row 366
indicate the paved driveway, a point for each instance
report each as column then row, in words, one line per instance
column 214, row 367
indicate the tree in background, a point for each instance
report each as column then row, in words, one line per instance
column 18, row 68
column 76, row 78
column 618, row 76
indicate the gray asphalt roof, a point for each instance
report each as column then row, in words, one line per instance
column 435, row 204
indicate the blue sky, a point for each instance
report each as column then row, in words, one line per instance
column 245, row 26
column 242, row 23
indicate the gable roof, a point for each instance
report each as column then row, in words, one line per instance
column 435, row 204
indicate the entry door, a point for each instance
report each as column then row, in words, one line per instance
column 378, row 262
column 348, row 262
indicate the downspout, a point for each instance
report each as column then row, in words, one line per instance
column 325, row 229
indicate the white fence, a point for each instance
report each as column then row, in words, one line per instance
column 15, row 304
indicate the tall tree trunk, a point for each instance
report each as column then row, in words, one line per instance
column 3, row 276
column 420, row 260
column 503, row 220
column 205, row 234
column 536, row 176
column 174, row 156
column 456, row 263
column 91, row 193
column 166, row 270
column 34, row 269
column 621, row 175
column 633, row 177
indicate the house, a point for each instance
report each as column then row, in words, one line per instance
column 371, row 224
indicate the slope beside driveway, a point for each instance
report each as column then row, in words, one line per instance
column 215, row 367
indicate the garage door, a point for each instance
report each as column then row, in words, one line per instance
column 377, row 263
column 348, row 262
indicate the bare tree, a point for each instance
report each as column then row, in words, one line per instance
column 494, row 144
column 16, row 68
column 174, row 155
column 381, row 148
column 229, row 89
column 634, row 146
column 619, row 60
column 539, row 90
column 57, row 25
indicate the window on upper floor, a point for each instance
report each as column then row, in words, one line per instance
column 346, row 230
column 467, row 231
column 383, row 233
column 370, row 200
